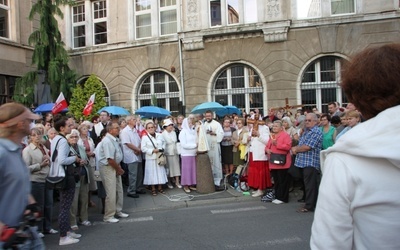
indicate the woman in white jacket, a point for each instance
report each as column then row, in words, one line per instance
column 188, row 138
column 151, row 145
column 258, row 175
column 359, row 199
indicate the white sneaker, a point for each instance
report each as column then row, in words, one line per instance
column 53, row 231
column 40, row 235
column 86, row 223
column 178, row 185
column 276, row 201
column 122, row 215
column 257, row 194
column 74, row 235
column 170, row 186
column 111, row 220
column 67, row 241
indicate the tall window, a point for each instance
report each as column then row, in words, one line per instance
column 78, row 23
column 321, row 83
column 100, row 22
column 168, row 17
column 308, row 8
column 158, row 18
column 4, row 19
column 342, row 7
column 250, row 11
column 143, row 18
column 161, row 87
column 233, row 11
column 215, row 12
column 239, row 85
column 7, row 85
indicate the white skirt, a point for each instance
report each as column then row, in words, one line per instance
column 154, row 174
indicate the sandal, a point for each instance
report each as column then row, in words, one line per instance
column 154, row 192
column 161, row 191
column 303, row 210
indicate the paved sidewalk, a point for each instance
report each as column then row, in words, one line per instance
column 177, row 198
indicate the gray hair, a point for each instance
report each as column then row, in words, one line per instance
column 288, row 120
column 313, row 116
column 73, row 132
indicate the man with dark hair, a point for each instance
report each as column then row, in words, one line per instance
column 97, row 128
column 333, row 109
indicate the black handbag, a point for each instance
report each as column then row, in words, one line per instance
column 278, row 159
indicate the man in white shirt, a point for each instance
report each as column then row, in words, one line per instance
column 130, row 140
column 109, row 159
column 214, row 134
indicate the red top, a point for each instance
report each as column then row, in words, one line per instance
column 283, row 146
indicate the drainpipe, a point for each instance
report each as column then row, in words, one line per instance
column 182, row 78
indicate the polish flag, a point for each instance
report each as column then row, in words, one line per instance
column 60, row 104
column 89, row 106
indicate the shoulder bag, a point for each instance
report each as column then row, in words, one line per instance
column 278, row 159
column 161, row 158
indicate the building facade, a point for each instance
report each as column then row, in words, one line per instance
column 247, row 53
column 15, row 53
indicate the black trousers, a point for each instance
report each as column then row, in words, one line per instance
column 311, row 178
column 282, row 182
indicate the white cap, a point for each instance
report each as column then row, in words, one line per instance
column 167, row 122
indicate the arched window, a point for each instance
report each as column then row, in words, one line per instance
column 320, row 83
column 239, row 85
column 106, row 94
column 159, row 89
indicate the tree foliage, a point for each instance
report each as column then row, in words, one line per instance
column 81, row 94
column 49, row 54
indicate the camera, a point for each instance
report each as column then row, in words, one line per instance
column 161, row 150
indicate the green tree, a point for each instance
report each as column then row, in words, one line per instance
column 81, row 95
column 48, row 55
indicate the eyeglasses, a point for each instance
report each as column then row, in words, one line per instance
column 308, row 120
column 73, row 137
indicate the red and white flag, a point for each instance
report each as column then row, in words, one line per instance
column 89, row 105
column 60, row 104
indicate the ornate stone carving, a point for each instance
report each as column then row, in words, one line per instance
column 273, row 8
column 192, row 16
column 275, row 34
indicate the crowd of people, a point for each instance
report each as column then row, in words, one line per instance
column 125, row 150
column 200, row 151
